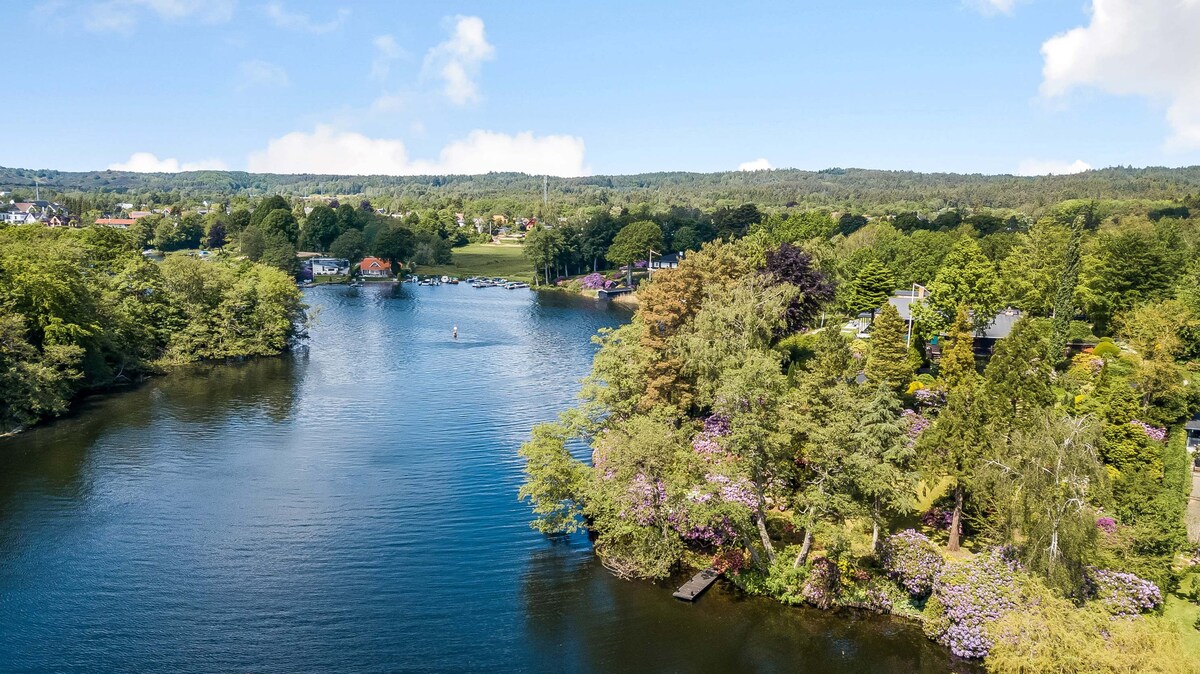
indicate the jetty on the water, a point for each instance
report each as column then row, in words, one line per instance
column 697, row 585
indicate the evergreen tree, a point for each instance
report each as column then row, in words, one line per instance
column 882, row 458
column 870, row 289
column 887, row 361
column 954, row 446
column 1064, row 299
column 1017, row 379
column 957, row 366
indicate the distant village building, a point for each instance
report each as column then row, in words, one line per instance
column 116, row 223
column 373, row 267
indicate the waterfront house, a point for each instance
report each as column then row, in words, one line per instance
column 330, row 266
column 373, row 267
column 668, row 261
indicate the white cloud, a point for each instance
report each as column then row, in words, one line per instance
column 1044, row 167
column 327, row 150
column 147, row 162
column 993, row 7
column 457, row 61
column 256, row 74
column 283, row 18
column 760, row 164
column 393, row 102
column 386, row 51
column 123, row 15
column 1145, row 48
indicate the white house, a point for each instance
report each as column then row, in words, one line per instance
column 330, row 266
column 668, row 261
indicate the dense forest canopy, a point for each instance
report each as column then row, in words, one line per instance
column 838, row 189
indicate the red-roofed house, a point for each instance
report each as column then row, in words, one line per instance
column 139, row 214
column 373, row 267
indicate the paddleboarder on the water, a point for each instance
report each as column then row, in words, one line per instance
column 455, row 332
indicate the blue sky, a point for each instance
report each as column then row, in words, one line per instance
column 991, row 86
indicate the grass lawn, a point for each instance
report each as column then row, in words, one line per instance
column 1183, row 614
column 484, row 259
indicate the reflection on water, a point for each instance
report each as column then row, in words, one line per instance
column 353, row 507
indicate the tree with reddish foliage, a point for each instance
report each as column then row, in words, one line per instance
column 790, row 264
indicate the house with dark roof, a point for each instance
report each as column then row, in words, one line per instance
column 373, row 267
column 668, row 261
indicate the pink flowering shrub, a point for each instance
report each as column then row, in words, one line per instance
column 1152, row 432
column 706, row 443
column 912, row 560
column 593, row 281
column 969, row 596
column 823, row 583
column 1107, row 524
column 914, row 425
column 646, row 497
column 1123, row 594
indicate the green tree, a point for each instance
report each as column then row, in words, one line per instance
column 542, row 247
column 882, row 461
column 321, row 228
column 870, row 289
column 395, row 244
column 966, row 277
column 348, row 245
column 887, row 361
column 282, row 223
column 957, row 366
column 634, row 242
column 1042, row 488
column 1064, row 298
column 554, row 481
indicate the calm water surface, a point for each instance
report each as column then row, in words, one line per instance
column 353, row 508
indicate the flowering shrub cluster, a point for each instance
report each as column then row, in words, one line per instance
column 1152, row 432
column 717, row 533
column 733, row 491
column 823, row 584
column 1107, row 524
column 969, row 596
column 914, row 425
column 705, row 442
column 1123, row 593
column 928, row 396
column 912, row 560
column 596, row 281
column 645, row 497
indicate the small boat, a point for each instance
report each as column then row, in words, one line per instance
column 453, row 280
column 424, row 282
column 356, row 284
column 445, row 279
column 514, row 285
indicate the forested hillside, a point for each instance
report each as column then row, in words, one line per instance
column 840, row 189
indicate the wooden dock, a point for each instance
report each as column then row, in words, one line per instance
column 697, row 585
column 612, row 292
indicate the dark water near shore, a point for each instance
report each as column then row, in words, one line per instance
column 353, row 508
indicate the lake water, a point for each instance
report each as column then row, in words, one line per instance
column 353, row 508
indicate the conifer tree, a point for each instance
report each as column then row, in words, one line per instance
column 1064, row 300
column 887, row 362
column 870, row 288
column 957, row 366
column 1017, row 379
